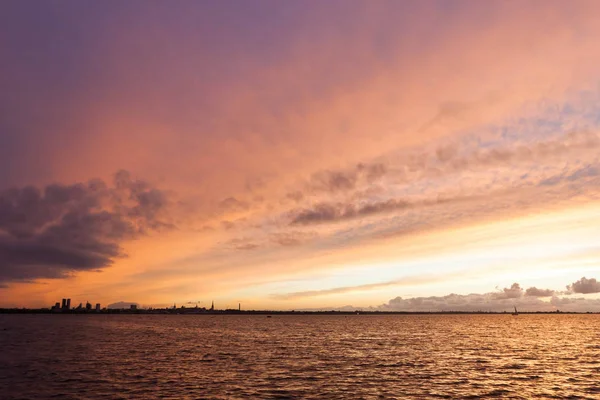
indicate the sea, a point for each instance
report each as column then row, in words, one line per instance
column 299, row 356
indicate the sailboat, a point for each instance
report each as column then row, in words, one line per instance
column 516, row 312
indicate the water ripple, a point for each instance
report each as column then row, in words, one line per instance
column 289, row 357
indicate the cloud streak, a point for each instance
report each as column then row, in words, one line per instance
column 407, row 281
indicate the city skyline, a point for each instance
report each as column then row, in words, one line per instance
column 411, row 155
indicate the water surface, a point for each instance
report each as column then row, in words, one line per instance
column 311, row 356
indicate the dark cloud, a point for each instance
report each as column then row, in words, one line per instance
column 323, row 212
column 535, row 292
column 330, row 212
column 333, row 212
column 584, row 286
column 61, row 229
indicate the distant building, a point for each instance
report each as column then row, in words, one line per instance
column 64, row 303
column 133, row 307
column 68, row 304
column 97, row 306
column 88, row 306
column 212, row 306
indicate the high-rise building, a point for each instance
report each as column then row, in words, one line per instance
column 68, row 304
column 88, row 306
column 64, row 303
column 97, row 306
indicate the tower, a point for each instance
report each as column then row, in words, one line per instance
column 212, row 306
column 68, row 304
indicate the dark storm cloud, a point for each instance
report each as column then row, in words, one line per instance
column 535, row 292
column 585, row 286
column 61, row 229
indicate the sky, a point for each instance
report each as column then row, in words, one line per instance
column 386, row 155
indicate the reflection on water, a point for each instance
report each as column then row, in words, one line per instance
column 362, row 356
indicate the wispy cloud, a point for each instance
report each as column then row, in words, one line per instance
column 407, row 281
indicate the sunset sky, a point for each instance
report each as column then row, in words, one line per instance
column 400, row 155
